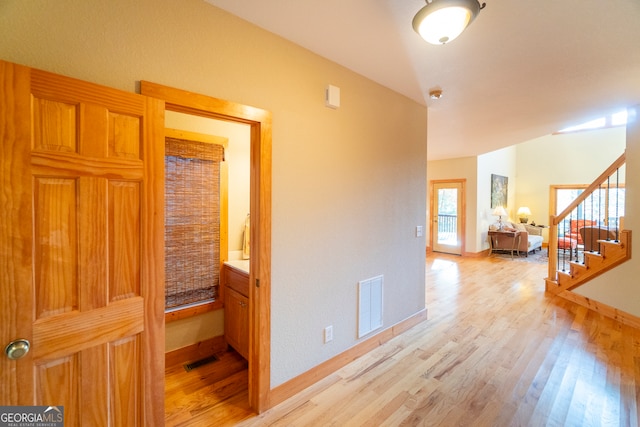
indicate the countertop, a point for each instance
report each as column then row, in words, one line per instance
column 239, row 264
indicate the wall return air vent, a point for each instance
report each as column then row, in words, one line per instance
column 369, row 305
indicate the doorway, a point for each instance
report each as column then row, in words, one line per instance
column 447, row 208
column 206, row 207
column 259, row 297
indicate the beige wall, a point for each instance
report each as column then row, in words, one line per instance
column 184, row 332
column 349, row 185
column 500, row 162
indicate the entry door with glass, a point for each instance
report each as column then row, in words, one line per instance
column 447, row 200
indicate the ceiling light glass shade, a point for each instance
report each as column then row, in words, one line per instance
column 441, row 21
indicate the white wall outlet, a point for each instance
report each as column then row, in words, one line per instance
column 419, row 231
column 328, row 334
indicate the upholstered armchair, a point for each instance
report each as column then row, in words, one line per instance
column 575, row 226
column 591, row 235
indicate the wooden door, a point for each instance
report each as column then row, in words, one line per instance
column 81, row 248
column 447, row 211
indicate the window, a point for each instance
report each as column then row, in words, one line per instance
column 192, row 222
column 615, row 119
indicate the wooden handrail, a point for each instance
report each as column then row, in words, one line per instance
column 555, row 220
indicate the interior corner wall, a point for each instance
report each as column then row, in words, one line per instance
column 348, row 184
column 619, row 287
column 459, row 168
column 500, row 162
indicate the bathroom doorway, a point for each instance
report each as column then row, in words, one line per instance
column 259, row 122
column 205, row 218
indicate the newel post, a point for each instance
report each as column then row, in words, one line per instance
column 553, row 247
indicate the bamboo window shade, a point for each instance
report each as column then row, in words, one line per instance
column 192, row 222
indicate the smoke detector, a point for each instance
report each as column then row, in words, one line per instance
column 435, row 93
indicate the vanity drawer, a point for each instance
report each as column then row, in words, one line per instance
column 236, row 280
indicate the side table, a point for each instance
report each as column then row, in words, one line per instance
column 504, row 241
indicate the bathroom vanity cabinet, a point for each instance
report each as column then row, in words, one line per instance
column 236, row 305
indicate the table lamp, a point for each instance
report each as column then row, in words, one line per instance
column 523, row 213
column 499, row 211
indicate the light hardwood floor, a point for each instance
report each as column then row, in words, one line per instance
column 495, row 351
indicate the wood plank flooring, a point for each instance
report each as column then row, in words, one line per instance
column 214, row 394
column 495, row 351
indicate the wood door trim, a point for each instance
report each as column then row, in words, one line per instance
column 260, row 262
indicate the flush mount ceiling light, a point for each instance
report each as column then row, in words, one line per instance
column 441, row 21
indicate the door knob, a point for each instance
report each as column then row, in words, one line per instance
column 17, row 349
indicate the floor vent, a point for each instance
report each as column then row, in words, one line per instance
column 201, row 362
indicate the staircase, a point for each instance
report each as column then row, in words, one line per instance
column 567, row 272
column 612, row 253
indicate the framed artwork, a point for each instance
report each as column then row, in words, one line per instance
column 499, row 186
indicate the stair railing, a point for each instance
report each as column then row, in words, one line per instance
column 591, row 207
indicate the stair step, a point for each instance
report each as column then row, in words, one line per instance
column 564, row 277
column 612, row 249
column 593, row 260
column 578, row 269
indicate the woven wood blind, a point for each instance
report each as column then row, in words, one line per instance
column 192, row 222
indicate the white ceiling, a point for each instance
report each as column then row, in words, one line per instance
column 523, row 68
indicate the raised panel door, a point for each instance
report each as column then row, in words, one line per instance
column 81, row 248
